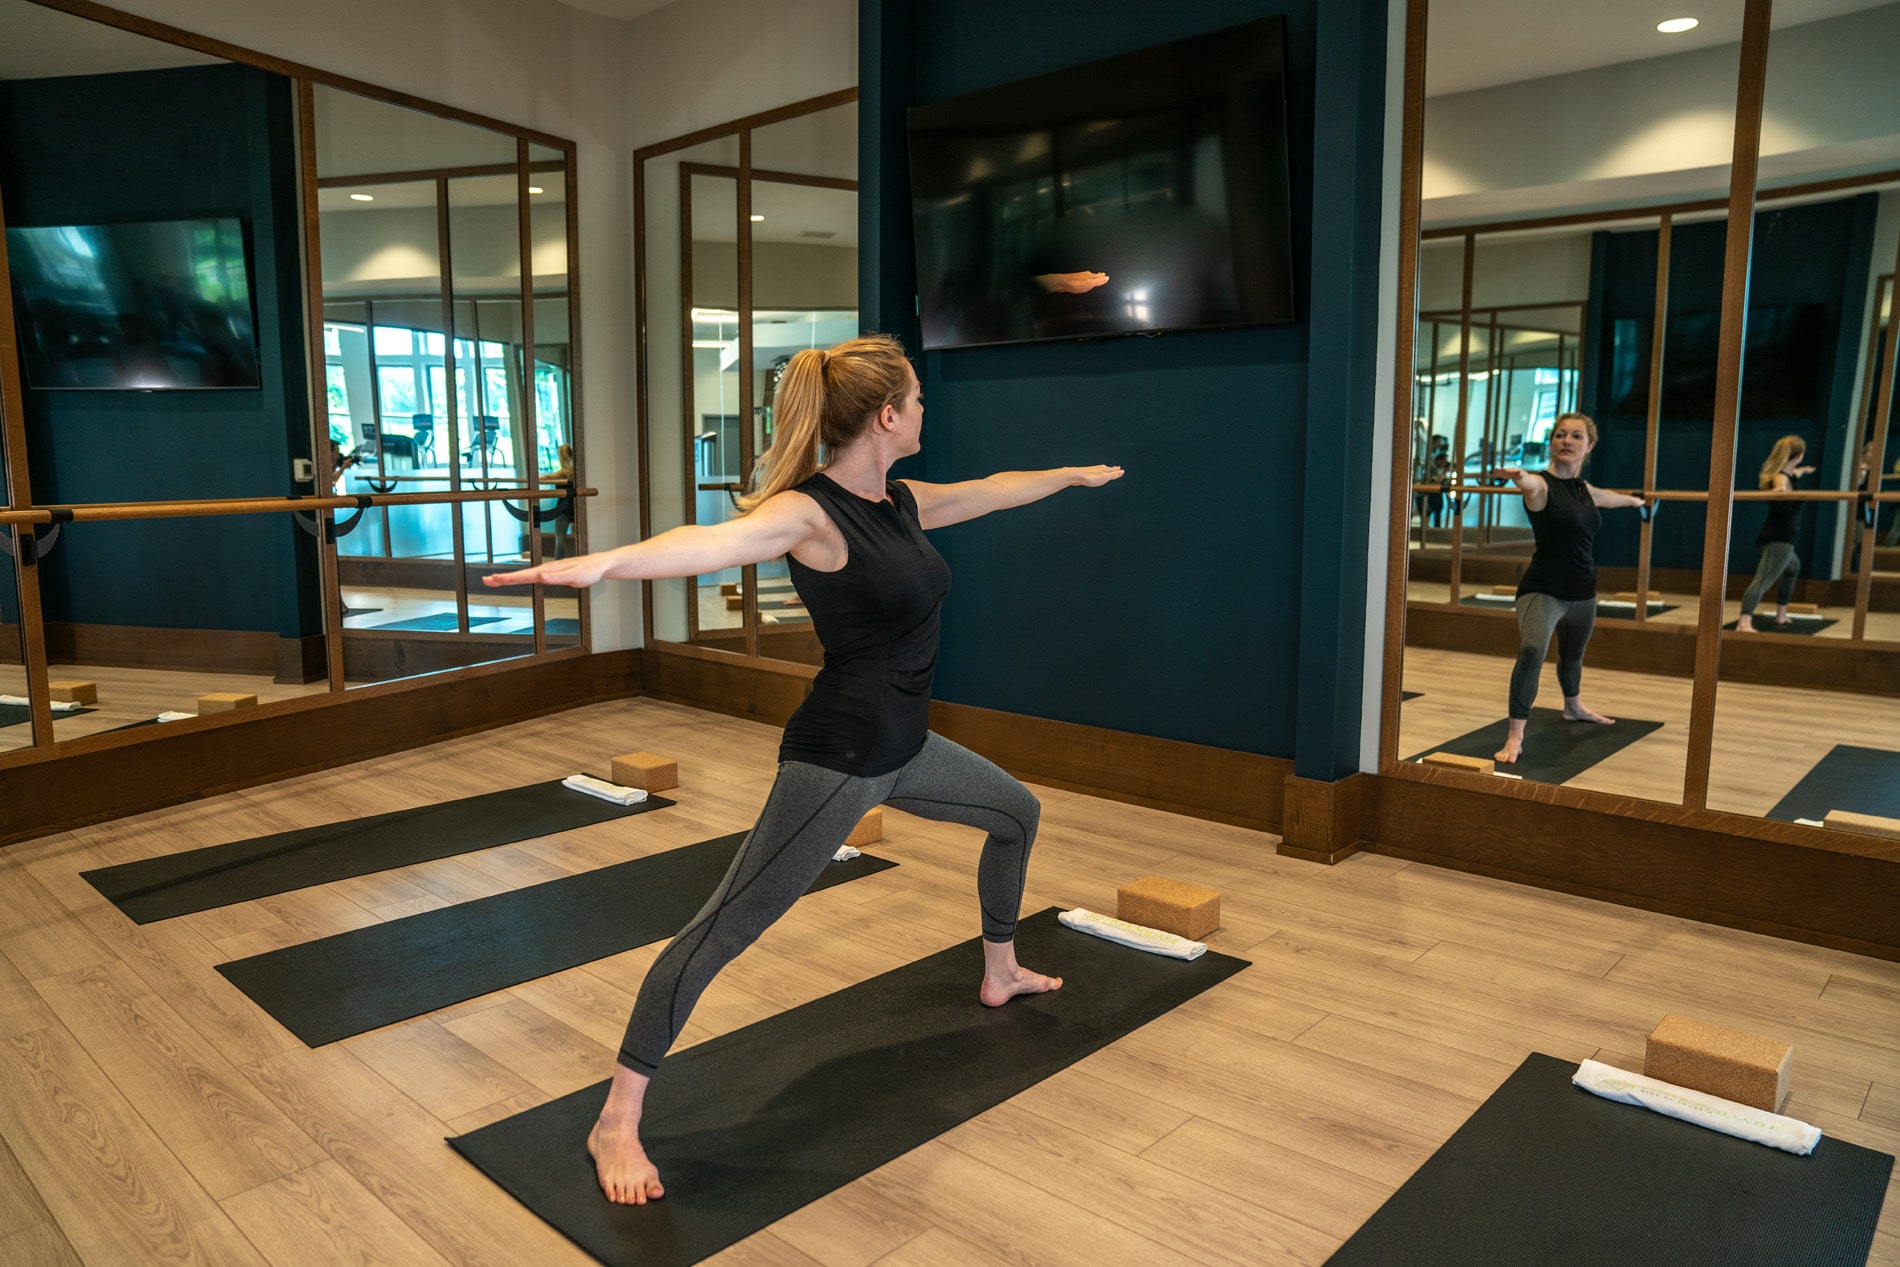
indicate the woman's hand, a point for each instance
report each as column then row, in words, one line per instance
column 1509, row 474
column 1799, row 471
column 575, row 573
column 1095, row 476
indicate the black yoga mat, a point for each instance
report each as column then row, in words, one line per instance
column 357, row 981
column 750, row 1126
column 1797, row 625
column 441, row 622
column 1405, row 696
column 1547, row 1173
column 358, row 611
column 1555, row 750
column 1863, row 780
column 20, row 714
column 1622, row 612
column 180, row 883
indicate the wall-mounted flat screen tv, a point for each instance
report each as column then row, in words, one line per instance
column 134, row 307
column 1142, row 193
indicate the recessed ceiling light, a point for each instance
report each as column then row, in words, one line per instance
column 536, row 189
column 756, row 219
column 362, row 197
column 1675, row 26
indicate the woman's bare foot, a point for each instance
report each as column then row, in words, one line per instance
column 1575, row 711
column 626, row 1176
column 1004, row 978
column 1744, row 625
column 1513, row 742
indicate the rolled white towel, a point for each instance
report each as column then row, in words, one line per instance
column 591, row 786
column 58, row 706
column 1136, row 935
column 176, row 716
column 846, row 853
column 1788, row 1134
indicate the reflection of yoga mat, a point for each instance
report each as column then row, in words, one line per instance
column 441, row 622
column 180, row 883
column 1555, row 750
column 20, row 714
column 564, row 628
column 361, row 980
column 358, row 611
column 1547, row 1173
column 1409, row 695
column 750, row 1126
column 1627, row 611
column 1496, row 603
column 1795, row 625
column 1863, row 780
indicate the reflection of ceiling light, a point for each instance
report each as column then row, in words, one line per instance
column 362, row 197
column 710, row 343
column 714, row 314
column 756, row 219
column 536, row 189
column 1675, row 26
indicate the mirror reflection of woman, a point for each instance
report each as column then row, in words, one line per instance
column 855, row 542
column 1558, row 592
column 1778, row 564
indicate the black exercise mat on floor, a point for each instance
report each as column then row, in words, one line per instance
column 1619, row 611
column 441, row 622
column 20, row 714
column 1555, row 750
column 361, row 980
column 180, row 883
column 750, row 1126
column 1547, row 1173
column 1863, row 780
column 1405, row 696
column 1795, row 626
column 358, row 611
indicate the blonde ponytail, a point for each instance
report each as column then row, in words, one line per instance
column 826, row 400
column 1786, row 448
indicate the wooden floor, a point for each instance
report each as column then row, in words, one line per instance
column 149, row 1111
column 1766, row 737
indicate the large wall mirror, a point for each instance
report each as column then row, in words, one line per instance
column 232, row 284
column 749, row 252
column 1573, row 224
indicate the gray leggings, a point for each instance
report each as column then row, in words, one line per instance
column 1778, row 561
column 806, row 817
column 1538, row 616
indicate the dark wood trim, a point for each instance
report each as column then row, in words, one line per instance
column 1728, row 393
column 575, row 409
column 642, row 434
column 771, row 177
column 527, row 421
column 143, row 647
column 689, row 393
column 1660, row 320
column 1324, row 822
column 332, row 642
column 301, row 661
column 293, row 70
column 1636, row 853
column 742, row 237
column 382, row 655
column 108, row 776
column 445, row 261
column 439, row 173
column 20, row 492
column 732, row 127
column 1464, row 408
column 1864, row 413
column 1405, row 357
column 1883, row 422
column 377, row 572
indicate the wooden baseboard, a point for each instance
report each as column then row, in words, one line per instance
column 1820, row 896
column 1325, row 822
column 140, row 647
column 90, row 780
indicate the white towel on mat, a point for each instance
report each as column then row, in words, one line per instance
column 1788, row 1134
column 606, row 791
column 58, row 706
column 1127, row 934
column 846, row 853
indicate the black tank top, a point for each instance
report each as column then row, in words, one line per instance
column 1783, row 519
column 1564, row 564
column 877, row 618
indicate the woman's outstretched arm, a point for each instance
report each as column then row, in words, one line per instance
column 1529, row 483
column 776, row 526
column 1607, row 499
column 939, row 505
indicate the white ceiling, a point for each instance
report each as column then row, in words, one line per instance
column 1482, row 43
column 38, row 43
column 622, row 9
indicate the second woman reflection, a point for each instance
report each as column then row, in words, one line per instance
column 1778, row 565
column 1558, row 592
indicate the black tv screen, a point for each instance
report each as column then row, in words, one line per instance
column 134, row 307
column 1140, row 193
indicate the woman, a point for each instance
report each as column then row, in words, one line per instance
column 875, row 588
column 1778, row 561
column 1558, row 592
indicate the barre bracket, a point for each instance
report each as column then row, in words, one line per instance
column 37, row 546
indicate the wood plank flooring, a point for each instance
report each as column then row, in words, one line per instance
column 149, row 1111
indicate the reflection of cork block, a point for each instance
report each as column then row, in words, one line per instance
column 645, row 770
column 1186, row 910
column 1805, row 609
column 1741, row 1067
column 729, row 588
column 870, row 829
column 1866, row 824
column 1453, row 761
column 73, row 692
column 735, row 602
column 1630, row 596
column 1504, row 589
column 225, row 701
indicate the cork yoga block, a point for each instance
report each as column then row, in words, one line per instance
column 645, row 770
column 1453, row 761
column 1741, row 1067
column 1804, row 609
column 735, row 602
column 1866, row 824
column 1186, row 910
column 225, row 701
column 1504, row 589
column 869, row 830
column 729, row 588
column 73, row 692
